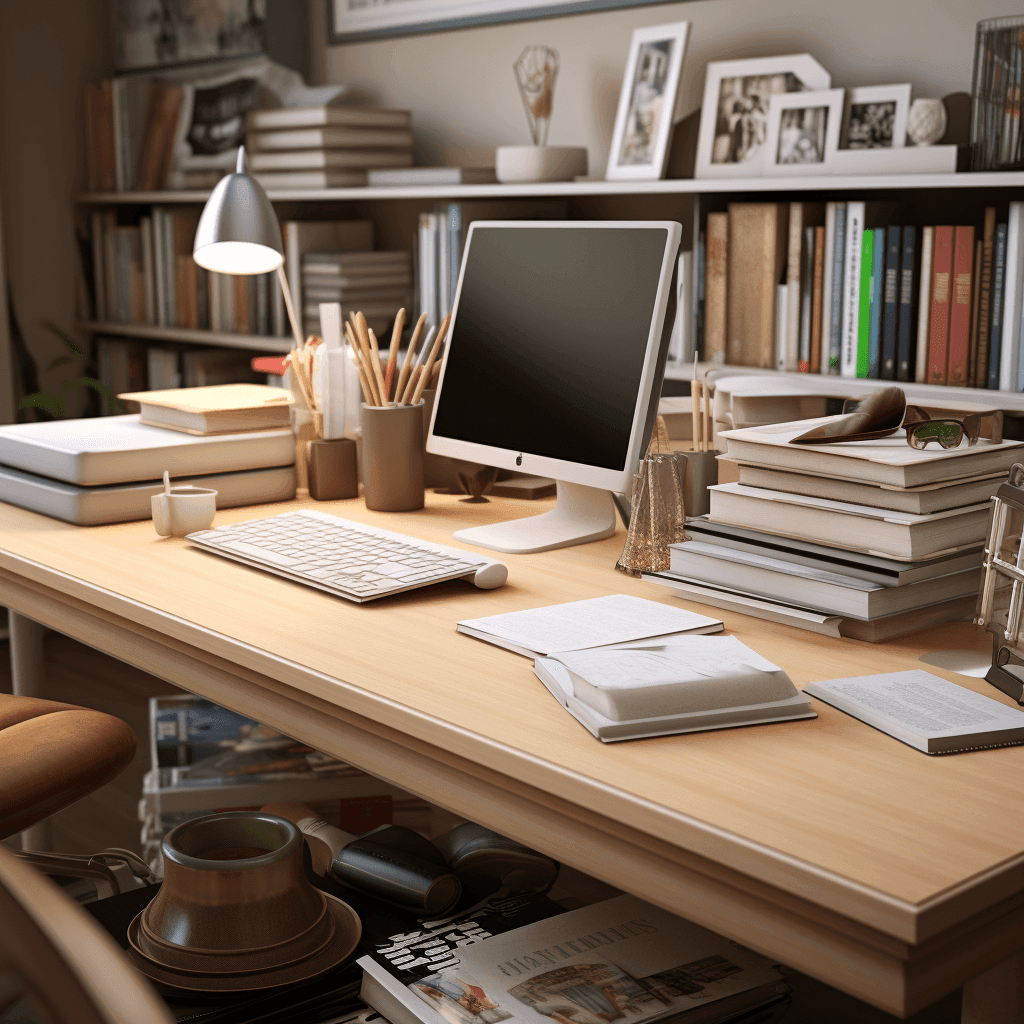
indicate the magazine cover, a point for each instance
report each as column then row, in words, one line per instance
column 619, row 960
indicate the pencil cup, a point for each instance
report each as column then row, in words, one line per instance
column 657, row 514
column 183, row 510
column 701, row 473
column 393, row 457
column 332, row 470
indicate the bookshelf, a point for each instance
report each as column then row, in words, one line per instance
column 683, row 199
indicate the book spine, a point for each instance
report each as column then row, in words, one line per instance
column 973, row 366
column 924, row 305
column 907, row 296
column 98, row 259
column 867, row 266
column 851, row 291
column 443, row 262
column 818, row 293
column 159, row 285
column 806, row 299
column 838, row 291
column 110, row 266
column 960, row 291
column 240, row 294
column 170, row 295
column 216, row 315
column 938, row 331
column 1012, row 271
column 715, row 287
column 825, row 317
column 781, row 325
column 699, row 275
column 138, row 277
column 891, row 302
column 985, row 297
column 455, row 253
column 995, row 338
column 279, row 314
column 877, row 294
column 202, row 298
column 428, row 267
column 794, row 267
column 262, row 305
column 148, row 280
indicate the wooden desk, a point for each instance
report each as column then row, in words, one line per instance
column 892, row 875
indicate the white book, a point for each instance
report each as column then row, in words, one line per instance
column 385, row 177
column 851, row 291
column 670, row 685
column 930, row 714
column 311, row 179
column 924, row 305
column 428, row 267
column 578, row 625
column 1013, row 288
column 781, row 325
column 342, row 116
column 328, row 160
column 794, row 264
column 680, row 348
column 826, row 283
column 443, row 263
column 331, row 138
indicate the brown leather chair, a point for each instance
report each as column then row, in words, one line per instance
column 52, row 754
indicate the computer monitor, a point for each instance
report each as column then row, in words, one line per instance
column 556, row 346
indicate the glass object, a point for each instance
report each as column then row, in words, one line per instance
column 657, row 515
column 536, row 71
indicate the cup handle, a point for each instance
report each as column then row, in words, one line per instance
column 161, row 515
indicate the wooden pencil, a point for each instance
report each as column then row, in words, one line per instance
column 441, row 332
column 407, row 366
column 705, row 403
column 362, row 334
column 363, row 366
column 374, row 349
column 396, row 338
column 694, row 405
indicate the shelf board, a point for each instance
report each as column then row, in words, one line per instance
column 672, row 186
column 851, row 387
column 188, row 336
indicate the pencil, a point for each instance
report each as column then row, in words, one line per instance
column 694, row 405
column 441, row 332
column 396, row 337
column 372, row 371
column 705, row 401
column 409, row 364
column 363, row 365
column 374, row 358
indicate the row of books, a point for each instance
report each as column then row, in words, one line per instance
column 817, row 288
column 997, row 142
column 868, row 541
column 439, row 257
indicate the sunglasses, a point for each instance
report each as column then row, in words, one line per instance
column 883, row 412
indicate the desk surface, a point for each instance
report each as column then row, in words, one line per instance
column 889, row 873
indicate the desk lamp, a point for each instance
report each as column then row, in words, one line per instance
column 239, row 233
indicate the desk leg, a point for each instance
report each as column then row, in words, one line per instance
column 997, row 996
column 28, row 678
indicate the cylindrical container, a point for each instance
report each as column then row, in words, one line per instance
column 393, row 457
column 701, row 473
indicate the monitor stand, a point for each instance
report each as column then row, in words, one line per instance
column 581, row 514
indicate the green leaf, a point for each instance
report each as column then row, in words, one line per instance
column 69, row 342
column 45, row 401
column 114, row 404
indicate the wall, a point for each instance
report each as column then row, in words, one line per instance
column 49, row 49
column 461, row 89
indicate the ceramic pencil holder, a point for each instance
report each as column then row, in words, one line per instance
column 701, row 473
column 332, row 469
column 393, row 457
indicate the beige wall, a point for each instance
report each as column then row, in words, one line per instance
column 48, row 50
column 461, row 90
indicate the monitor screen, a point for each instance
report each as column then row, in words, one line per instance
column 549, row 340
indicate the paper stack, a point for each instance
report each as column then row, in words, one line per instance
column 867, row 539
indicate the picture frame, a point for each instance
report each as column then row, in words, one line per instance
column 734, row 113
column 803, row 131
column 875, row 117
column 350, row 21
column 647, row 103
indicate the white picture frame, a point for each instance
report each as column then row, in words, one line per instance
column 803, row 131
column 647, row 103
column 727, row 149
column 875, row 117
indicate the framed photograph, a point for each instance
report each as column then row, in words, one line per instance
column 734, row 115
column 155, row 33
column 876, row 117
column 350, row 21
column 647, row 102
column 803, row 131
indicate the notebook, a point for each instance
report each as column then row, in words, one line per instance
column 218, row 409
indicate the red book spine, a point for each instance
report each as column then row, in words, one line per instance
column 961, row 292
column 938, row 330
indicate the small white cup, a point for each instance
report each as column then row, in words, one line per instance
column 183, row 510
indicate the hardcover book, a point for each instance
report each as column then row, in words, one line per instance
column 818, row 290
column 961, row 291
column 995, row 345
column 890, row 302
column 852, row 288
column 924, row 305
column 985, row 297
column 875, row 315
column 938, row 331
column 837, row 290
column 715, row 287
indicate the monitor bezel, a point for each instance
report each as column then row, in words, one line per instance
column 620, row 479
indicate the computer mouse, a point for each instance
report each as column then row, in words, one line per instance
column 489, row 576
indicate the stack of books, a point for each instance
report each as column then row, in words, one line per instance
column 864, row 293
column 997, row 143
column 325, row 147
column 376, row 283
column 869, row 540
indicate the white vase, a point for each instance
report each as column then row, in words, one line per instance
column 522, row 164
column 926, row 122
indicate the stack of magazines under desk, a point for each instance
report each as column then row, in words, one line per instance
column 869, row 539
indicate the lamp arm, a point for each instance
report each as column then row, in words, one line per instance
column 283, row 279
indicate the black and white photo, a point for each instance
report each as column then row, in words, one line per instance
column 647, row 102
column 734, row 127
column 803, row 131
column 876, row 117
column 802, row 136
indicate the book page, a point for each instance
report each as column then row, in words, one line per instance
column 922, row 703
column 576, row 625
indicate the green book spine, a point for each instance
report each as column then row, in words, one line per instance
column 867, row 260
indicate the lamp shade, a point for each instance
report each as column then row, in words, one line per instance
column 238, row 230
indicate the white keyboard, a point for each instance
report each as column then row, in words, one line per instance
column 349, row 559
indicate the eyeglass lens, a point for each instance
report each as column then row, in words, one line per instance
column 948, row 433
